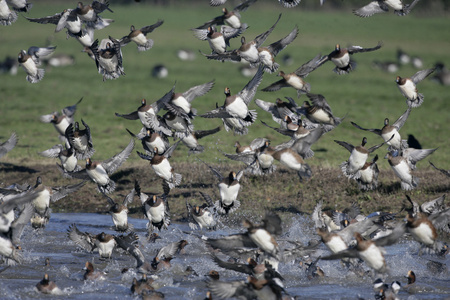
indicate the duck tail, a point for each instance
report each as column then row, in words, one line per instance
column 38, row 77
column 305, row 171
column 108, row 188
column 416, row 102
column 176, row 180
column 147, row 46
column 196, row 150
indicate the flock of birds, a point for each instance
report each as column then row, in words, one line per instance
column 349, row 236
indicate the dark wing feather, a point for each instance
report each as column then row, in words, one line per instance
column 346, row 145
column 150, row 28
column 260, row 39
column 202, row 133
column 376, row 131
column 358, row 49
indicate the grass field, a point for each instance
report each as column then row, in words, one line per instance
column 366, row 96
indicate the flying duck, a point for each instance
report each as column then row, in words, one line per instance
column 370, row 251
column 152, row 140
column 259, row 160
column 381, row 6
column 191, row 141
column 301, row 138
column 267, row 54
column 139, row 36
column 341, row 57
column 357, row 159
column 119, row 212
column 30, row 60
column 180, row 103
column 408, row 88
column 388, row 130
column 296, row 78
column 228, row 189
column 63, row 120
column 42, row 197
column 155, row 208
column 257, row 236
column 219, row 40
column 277, row 109
column 90, row 14
column 7, row 16
column 147, row 113
column 248, row 50
column 99, row 172
column 319, row 112
column 236, row 106
column 161, row 165
column 368, row 179
column 202, row 216
column 404, row 163
column 105, row 243
column 108, row 58
column 69, row 162
column 80, row 140
column 182, row 126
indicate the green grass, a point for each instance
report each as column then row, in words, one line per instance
column 366, row 96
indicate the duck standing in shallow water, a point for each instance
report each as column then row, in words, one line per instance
column 46, row 286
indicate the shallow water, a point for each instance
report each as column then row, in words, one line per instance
column 67, row 261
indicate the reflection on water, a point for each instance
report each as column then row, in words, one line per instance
column 66, row 263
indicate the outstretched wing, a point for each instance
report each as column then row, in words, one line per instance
column 116, row 161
